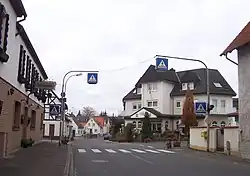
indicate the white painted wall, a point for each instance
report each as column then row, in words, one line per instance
column 203, row 98
column 74, row 126
column 129, row 107
column 91, row 124
column 9, row 70
column 141, row 114
column 57, row 127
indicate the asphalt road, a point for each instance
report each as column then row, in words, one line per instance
column 96, row 157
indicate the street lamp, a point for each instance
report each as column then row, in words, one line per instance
column 78, row 74
column 63, row 98
column 207, row 86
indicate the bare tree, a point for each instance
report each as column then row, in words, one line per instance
column 88, row 112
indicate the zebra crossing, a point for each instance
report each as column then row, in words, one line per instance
column 113, row 151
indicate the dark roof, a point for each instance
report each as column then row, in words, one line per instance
column 240, row 40
column 31, row 49
column 18, row 8
column 132, row 95
column 152, row 75
column 198, row 76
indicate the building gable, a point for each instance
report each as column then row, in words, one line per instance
column 140, row 113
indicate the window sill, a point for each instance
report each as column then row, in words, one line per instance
column 15, row 128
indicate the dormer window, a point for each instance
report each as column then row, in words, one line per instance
column 139, row 90
column 184, row 86
column 218, row 85
column 152, row 87
column 189, row 85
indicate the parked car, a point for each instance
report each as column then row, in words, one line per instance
column 106, row 136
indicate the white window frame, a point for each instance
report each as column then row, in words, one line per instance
column 217, row 84
column 191, row 85
column 139, row 90
column 134, row 104
column 177, row 103
column 152, row 87
column 152, row 102
column 184, row 86
column 224, row 102
column 139, row 106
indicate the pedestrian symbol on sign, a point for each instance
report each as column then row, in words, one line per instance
column 92, row 78
column 200, row 108
column 162, row 65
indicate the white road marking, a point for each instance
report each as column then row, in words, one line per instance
column 96, row 151
column 81, row 150
column 138, row 151
column 99, row 161
column 150, row 146
column 152, row 151
column 110, row 151
column 124, row 151
column 165, row 151
column 141, row 145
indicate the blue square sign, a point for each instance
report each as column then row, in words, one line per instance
column 92, row 78
column 161, row 64
column 200, row 107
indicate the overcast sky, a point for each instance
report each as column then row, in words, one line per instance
column 108, row 35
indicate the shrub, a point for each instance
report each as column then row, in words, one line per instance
column 146, row 127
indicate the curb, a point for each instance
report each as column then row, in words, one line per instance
column 69, row 165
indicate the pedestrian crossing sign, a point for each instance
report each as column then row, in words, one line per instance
column 92, row 78
column 161, row 64
column 200, row 107
column 54, row 109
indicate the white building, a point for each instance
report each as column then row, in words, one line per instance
column 94, row 126
column 162, row 94
column 242, row 44
column 20, row 68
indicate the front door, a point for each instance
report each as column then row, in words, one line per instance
column 91, row 131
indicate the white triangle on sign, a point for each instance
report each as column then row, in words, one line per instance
column 162, row 64
column 200, row 108
column 92, row 79
column 54, row 110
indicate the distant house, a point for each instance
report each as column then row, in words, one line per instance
column 162, row 94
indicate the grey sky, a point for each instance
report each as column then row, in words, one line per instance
column 112, row 34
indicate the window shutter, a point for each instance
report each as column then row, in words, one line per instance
column 5, row 44
column 20, row 64
column 1, row 20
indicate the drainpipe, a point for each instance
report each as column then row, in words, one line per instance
column 231, row 60
column 24, row 18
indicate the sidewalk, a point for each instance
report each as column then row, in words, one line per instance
column 42, row 159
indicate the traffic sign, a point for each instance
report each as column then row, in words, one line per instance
column 161, row 64
column 200, row 107
column 92, row 78
column 54, row 109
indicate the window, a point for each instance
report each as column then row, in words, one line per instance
column 134, row 124
column 152, row 103
column 4, row 28
column 223, row 123
column 93, row 124
column 41, row 123
column 139, row 106
column 33, row 120
column 218, row 85
column 166, row 125
column 139, row 90
column 88, row 124
column 1, row 106
column 184, row 86
column 191, row 86
column 17, row 116
column 223, row 103
column 178, row 104
column 152, row 87
column 95, row 130
column 139, row 124
column 214, row 102
column 159, row 127
column 214, row 123
column 134, row 107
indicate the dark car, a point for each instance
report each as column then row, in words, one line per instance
column 106, row 136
